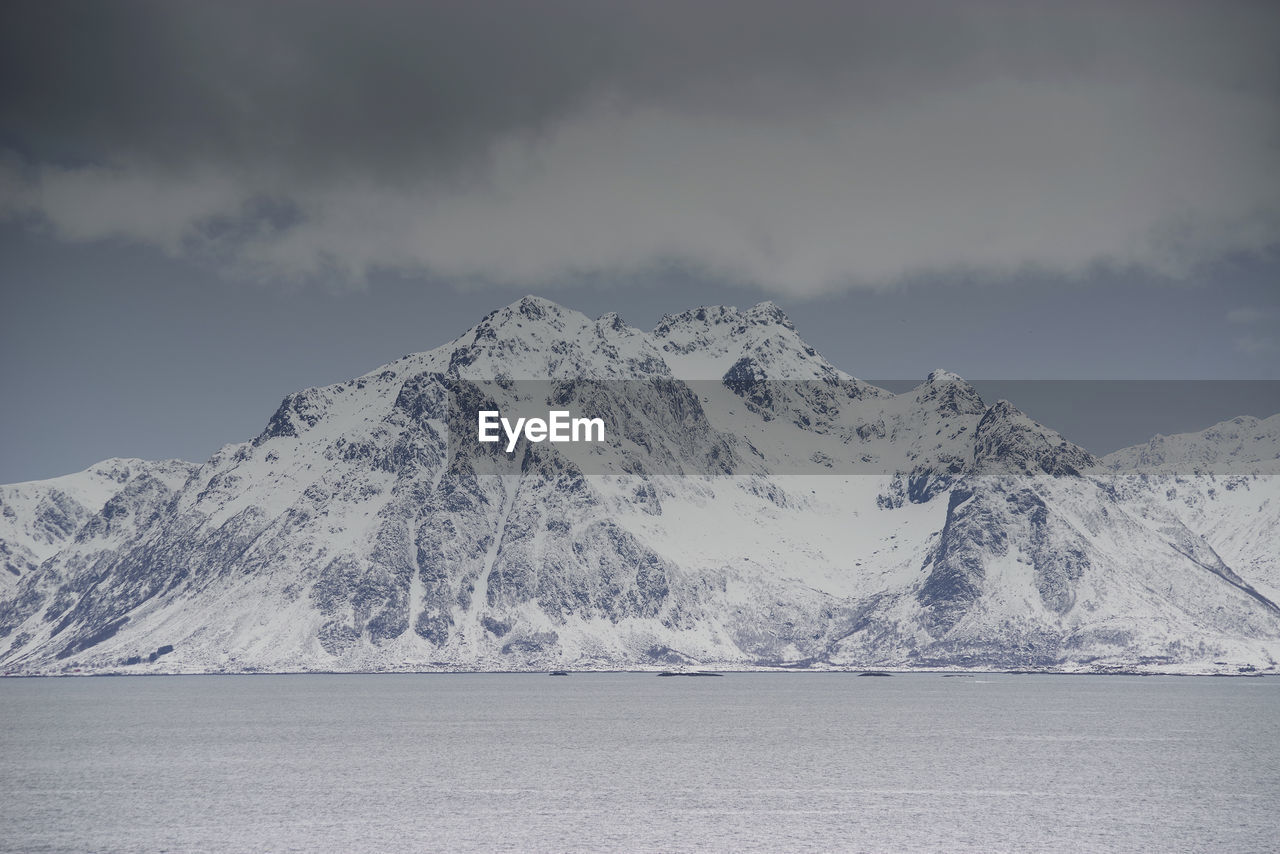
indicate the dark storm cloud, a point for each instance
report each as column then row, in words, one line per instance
column 311, row 85
column 796, row 146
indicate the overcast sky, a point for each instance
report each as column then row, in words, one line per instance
column 206, row 206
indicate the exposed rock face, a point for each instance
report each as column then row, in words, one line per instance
column 859, row 528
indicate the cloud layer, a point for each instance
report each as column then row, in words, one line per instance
column 798, row 148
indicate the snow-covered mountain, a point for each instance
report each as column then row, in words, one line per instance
column 40, row 517
column 752, row 506
column 1244, row 445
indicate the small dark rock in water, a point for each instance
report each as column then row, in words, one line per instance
column 559, row 673
column 874, row 673
column 691, row 673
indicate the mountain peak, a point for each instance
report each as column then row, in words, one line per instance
column 941, row 375
column 529, row 313
column 767, row 312
column 705, row 315
column 611, row 320
column 534, row 308
column 705, row 342
column 1007, row 439
column 949, row 392
column 535, row 300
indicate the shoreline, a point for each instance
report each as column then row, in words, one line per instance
column 724, row 672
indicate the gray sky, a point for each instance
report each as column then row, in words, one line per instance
column 206, row 206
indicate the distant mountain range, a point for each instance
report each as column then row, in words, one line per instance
column 754, row 506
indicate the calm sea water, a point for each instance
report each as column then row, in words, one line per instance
column 747, row 762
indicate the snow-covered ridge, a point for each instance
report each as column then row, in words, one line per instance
column 340, row 538
column 37, row 518
column 1243, row 445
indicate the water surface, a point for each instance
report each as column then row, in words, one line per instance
column 747, row 762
